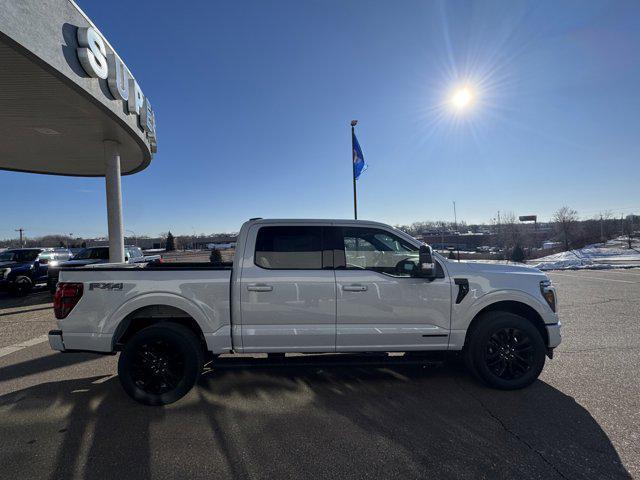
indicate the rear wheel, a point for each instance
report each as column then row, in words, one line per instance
column 21, row 286
column 505, row 351
column 160, row 364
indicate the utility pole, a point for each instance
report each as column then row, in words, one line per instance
column 21, row 230
column 601, row 230
column 457, row 234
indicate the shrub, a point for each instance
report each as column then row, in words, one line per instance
column 215, row 257
column 517, row 255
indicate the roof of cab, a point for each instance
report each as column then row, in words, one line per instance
column 316, row 221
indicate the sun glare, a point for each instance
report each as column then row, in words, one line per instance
column 462, row 98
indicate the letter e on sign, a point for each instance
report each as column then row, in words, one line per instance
column 92, row 53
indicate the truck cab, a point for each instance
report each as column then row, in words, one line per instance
column 331, row 286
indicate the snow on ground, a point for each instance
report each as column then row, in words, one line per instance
column 613, row 254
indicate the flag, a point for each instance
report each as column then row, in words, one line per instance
column 359, row 165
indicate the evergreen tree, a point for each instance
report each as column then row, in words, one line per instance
column 216, row 256
column 171, row 243
column 517, row 255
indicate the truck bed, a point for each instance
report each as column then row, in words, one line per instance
column 113, row 294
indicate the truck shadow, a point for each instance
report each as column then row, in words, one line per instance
column 39, row 296
column 306, row 421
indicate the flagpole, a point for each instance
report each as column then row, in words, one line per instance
column 353, row 171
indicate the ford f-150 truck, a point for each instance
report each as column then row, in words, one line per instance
column 307, row 286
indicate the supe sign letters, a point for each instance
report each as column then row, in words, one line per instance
column 100, row 63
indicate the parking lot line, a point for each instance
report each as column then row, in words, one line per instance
column 19, row 346
column 596, row 278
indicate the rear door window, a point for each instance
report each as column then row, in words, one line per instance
column 289, row 248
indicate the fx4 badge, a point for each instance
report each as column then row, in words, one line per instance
column 105, row 286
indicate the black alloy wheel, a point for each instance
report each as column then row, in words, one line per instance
column 505, row 350
column 161, row 363
column 157, row 366
column 509, row 353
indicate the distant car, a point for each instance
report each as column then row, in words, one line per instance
column 92, row 256
column 21, row 269
column 55, row 255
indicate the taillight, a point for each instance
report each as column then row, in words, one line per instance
column 66, row 297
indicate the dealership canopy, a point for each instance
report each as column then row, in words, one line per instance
column 69, row 105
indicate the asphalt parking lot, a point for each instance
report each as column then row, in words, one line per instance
column 65, row 416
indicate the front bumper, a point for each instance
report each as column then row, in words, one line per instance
column 554, row 334
column 55, row 340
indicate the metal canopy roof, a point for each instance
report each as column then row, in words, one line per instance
column 53, row 116
column 46, row 126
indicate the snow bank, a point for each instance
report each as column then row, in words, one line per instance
column 596, row 257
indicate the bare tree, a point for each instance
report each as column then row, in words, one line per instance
column 566, row 220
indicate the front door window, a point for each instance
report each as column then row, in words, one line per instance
column 378, row 250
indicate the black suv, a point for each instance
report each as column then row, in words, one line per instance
column 21, row 269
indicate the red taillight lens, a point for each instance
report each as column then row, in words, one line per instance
column 66, row 297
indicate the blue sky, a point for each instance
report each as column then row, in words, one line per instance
column 253, row 101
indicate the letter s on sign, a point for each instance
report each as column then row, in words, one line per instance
column 92, row 53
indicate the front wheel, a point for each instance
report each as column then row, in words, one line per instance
column 505, row 351
column 21, row 286
column 160, row 364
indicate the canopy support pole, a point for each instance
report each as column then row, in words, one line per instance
column 114, row 201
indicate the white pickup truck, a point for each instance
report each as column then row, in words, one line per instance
column 307, row 286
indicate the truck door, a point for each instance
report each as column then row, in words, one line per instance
column 380, row 305
column 287, row 290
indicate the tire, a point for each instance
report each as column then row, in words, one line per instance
column 21, row 286
column 505, row 351
column 160, row 364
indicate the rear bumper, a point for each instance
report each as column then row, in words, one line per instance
column 79, row 343
column 55, row 340
column 554, row 334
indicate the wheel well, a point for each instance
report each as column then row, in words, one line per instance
column 514, row 307
column 152, row 315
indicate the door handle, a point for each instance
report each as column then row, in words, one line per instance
column 354, row 288
column 259, row 287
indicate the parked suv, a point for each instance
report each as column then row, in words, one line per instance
column 21, row 269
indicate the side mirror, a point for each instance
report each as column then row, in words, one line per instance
column 427, row 265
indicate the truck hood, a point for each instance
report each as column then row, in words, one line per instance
column 495, row 269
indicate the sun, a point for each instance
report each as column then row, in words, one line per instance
column 462, row 98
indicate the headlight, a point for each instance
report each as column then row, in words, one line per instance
column 4, row 273
column 54, row 263
column 549, row 294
